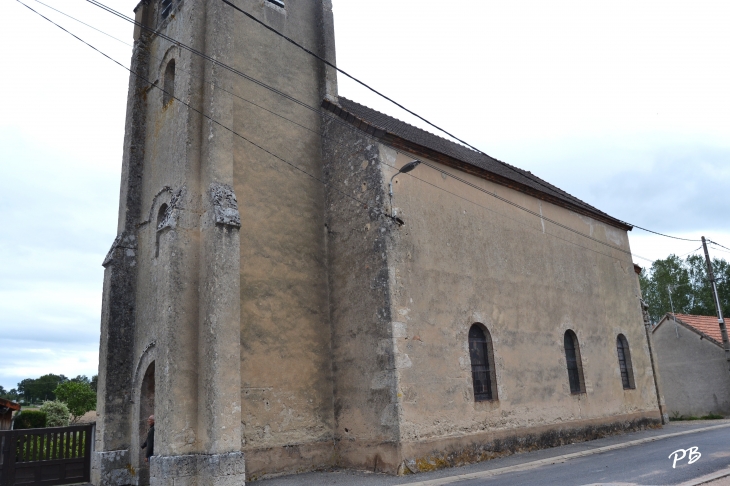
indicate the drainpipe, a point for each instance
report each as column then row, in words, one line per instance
column 654, row 371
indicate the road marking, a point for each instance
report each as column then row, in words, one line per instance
column 559, row 459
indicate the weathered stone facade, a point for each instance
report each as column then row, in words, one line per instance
column 278, row 321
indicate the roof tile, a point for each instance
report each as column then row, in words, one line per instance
column 347, row 109
column 705, row 324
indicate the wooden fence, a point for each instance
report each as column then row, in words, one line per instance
column 51, row 456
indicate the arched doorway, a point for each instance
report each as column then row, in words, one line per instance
column 146, row 409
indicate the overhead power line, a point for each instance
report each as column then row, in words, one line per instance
column 338, row 120
column 662, row 234
column 718, row 244
column 360, row 202
column 361, row 83
column 208, row 117
column 522, row 173
column 301, row 103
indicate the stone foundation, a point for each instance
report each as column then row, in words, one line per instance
column 452, row 452
column 198, row 470
column 112, row 468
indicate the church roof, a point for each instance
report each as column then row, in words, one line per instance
column 402, row 136
column 706, row 326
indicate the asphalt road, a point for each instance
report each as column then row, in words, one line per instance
column 644, row 464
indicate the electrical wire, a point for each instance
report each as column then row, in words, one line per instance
column 213, row 83
column 689, row 253
column 662, row 234
column 129, row 19
column 84, row 23
column 718, row 244
column 721, row 251
column 328, row 63
column 364, row 204
column 350, row 126
column 522, row 173
column 360, row 202
column 305, row 105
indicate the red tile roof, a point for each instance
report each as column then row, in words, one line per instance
column 704, row 324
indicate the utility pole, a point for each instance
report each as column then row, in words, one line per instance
column 721, row 321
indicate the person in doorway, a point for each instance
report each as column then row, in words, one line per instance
column 150, row 442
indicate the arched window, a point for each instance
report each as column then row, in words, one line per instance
column 572, row 358
column 169, row 83
column 165, row 9
column 624, row 362
column 482, row 364
column 161, row 213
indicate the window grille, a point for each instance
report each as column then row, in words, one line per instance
column 165, row 8
column 482, row 364
column 572, row 358
column 624, row 362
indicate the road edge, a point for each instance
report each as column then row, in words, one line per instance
column 566, row 457
column 723, row 473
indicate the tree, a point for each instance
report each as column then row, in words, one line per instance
column 40, row 388
column 25, row 389
column 11, row 395
column 81, row 379
column 691, row 292
column 94, row 382
column 79, row 397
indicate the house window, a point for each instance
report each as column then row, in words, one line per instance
column 483, row 374
column 572, row 358
column 165, row 9
column 169, row 83
column 624, row 362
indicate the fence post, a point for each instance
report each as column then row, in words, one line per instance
column 87, row 452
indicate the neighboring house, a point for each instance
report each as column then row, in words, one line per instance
column 6, row 413
column 280, row 318
column 693, row 370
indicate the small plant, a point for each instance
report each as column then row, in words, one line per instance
column 676, row 417
column 712, row 416
column 57, row 414
column 30, row 419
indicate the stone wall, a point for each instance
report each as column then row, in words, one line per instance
column 367, row 409
column 475, row 259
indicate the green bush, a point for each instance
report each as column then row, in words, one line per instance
column 57, row 414
column 30, row 419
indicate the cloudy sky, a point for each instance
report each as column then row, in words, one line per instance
column 623, row 104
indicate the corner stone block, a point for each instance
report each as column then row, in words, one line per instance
column 198, row 470
column 113, row 468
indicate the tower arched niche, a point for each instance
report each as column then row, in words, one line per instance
column 144, row 406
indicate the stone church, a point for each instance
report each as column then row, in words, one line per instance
column 301, row 282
